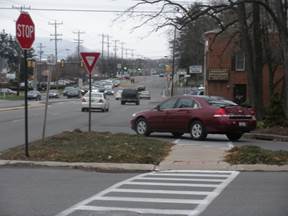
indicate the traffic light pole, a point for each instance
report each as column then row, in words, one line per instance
column 26, row 103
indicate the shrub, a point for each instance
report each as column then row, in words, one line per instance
column 275, row 115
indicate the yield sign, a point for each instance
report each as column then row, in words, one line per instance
column 89, row 59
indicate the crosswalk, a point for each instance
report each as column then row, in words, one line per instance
column 172, row 192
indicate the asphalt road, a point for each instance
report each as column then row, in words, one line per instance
column 51, row 192
column 67, row 115
column 46, row 192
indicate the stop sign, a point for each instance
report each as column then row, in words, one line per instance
column 25, row 31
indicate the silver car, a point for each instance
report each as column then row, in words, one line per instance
column 98, row 101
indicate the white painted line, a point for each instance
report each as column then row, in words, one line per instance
column 201, row 204
column 183, row 179
column 161, row 191
column 190, row 175
column 216, row 193
column 139, row 210
column 86, row 201
column 177, row 141
column 230, row 145
column 195, row 171
column 153, row 200
column 172, row 184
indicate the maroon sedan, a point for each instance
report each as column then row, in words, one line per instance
column 197, row 115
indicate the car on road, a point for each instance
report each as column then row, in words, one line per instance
column 54, row 94
column 141, row 88
column 145, row 95
column 99, row 101
column 7, row 91
column 197, row 115
column 130, row 96
column 33, row 95
column 118, row 94
column 73, row 92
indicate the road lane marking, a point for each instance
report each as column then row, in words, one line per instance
column 139, row 210
column 107, row 200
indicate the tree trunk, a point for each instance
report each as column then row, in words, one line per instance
column 257, row 62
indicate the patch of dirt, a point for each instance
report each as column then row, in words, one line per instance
column 283, row 131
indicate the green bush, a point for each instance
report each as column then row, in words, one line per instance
column 275, row 115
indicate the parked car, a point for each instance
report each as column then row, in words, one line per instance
column 145, row 95
column 7, row 91
column 66, row 89
column 141, row 88
column 197, row 115
column 33, row 95
column 118, row 94
column 130, row 96
column 54, row 94
column 98, row 101
column 73, row 92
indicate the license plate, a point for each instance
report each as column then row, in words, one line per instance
column 242, row 124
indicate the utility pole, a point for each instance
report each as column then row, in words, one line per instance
column 122, row 50
column 173, row 63
column 115, row 55
column 40, row 47
column 56, row 37
column 108, row 46
column 78, row 41
column 115, row 48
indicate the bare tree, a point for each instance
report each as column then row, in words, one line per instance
column 249, row 22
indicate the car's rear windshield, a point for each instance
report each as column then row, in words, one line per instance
column 219, row 102
column 129, row 92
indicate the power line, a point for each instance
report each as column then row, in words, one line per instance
column 87, row 10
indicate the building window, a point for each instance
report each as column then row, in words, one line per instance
column 240, row 62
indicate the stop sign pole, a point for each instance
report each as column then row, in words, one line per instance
column 25, row 36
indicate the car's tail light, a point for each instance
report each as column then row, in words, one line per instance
column 253, row 113
column 83, row 99
column 221, row 112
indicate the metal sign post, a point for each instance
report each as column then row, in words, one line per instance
column 25, row 36
column 89, row 59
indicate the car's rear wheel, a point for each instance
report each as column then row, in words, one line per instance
column 142, row 127
column 198, row 130
column 234, row 136
column 177, row 134
column 137, row 103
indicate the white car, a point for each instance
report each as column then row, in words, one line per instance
column 98, row 101
column 118, row 94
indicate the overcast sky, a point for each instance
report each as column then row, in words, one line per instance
column 153, row 45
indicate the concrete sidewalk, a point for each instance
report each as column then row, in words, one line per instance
column 182, row 157
column 187, row 157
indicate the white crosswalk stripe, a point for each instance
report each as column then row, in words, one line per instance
column 173, row 192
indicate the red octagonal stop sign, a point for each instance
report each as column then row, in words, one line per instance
column 25, row 31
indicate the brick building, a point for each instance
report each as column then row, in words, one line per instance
column 224, row 69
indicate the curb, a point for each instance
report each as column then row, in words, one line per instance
column 145, row 167
column 21, row 107
column 82, row 165
column 270, row 137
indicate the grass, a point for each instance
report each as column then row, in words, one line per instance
column 256, row 155
column 11, row 97
column 106, row 147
